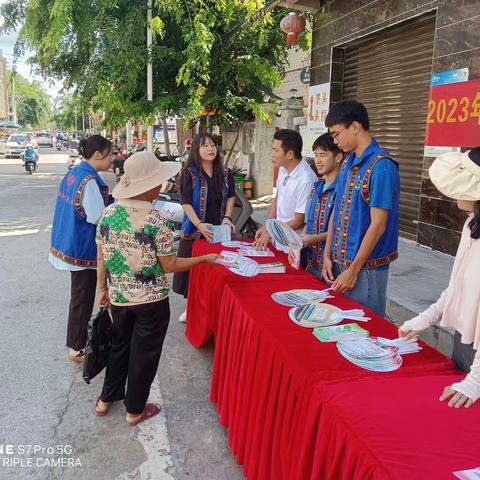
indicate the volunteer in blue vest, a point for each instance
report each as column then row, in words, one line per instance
column 362, row 238
column 80, row 202
column 328, row 159
column 207, row 196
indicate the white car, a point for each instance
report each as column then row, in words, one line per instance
column 44, row 139
column 15, row 145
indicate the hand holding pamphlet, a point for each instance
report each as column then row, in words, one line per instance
column 246, row 267
column 221, row 233
column 283, row 234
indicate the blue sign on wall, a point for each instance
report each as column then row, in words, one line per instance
column 450, row 76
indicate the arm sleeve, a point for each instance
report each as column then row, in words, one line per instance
column 164, row 244
column 303, row 195
column 186, row 188
column 384, row 184
column 92, row 202
column 231, row 184
column 431, row 316
column 470, row 386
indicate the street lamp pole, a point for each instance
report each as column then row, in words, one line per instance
column 149, row 71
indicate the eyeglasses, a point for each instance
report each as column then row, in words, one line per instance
column 336, row 134
column 208, row 145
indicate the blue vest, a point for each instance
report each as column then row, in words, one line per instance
column 318, row 216
column 73, row 238
column 200, row 193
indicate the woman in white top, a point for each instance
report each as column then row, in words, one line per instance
column 81, row 198
column 457, row 175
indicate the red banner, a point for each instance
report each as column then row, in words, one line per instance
column 453, row 118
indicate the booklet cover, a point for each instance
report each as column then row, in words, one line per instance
column 221, row 233
column 275, row 267
column 339, row 332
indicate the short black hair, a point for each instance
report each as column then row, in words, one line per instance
column 291, row 140
column 325, row 142
column 345, row 113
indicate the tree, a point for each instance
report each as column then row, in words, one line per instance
column 33, row 103
column 215, row 56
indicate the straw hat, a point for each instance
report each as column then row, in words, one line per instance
column 457, row 176
column 143, row 171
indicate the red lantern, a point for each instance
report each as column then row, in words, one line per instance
column 292, row 25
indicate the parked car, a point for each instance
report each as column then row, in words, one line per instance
column 44, row 139
column 15, row 145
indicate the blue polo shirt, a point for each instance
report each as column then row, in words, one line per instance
column 366, row 182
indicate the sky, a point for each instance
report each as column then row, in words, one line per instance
column 7, row 43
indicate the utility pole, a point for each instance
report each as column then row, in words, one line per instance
column 14, row 99
column 149, row 72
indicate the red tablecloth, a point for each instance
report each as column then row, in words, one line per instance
column 266, row 368
column 390, row 429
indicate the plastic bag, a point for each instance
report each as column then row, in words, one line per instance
column 98, row 345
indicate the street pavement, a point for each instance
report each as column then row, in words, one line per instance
column 48, row 428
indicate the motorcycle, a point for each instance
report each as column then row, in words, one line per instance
column 59, row 145
column 30, row 159
column 74, row 158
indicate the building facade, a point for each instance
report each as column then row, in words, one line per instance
column 384, row 53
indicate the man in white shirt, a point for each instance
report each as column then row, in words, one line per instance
column 294, row 184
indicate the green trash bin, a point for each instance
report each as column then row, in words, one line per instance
column 239, row 181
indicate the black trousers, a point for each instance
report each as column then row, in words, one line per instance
column 82, row 298
column 137, row 340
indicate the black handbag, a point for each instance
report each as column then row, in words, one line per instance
column 98, row 345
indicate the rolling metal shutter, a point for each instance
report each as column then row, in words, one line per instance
column 390, row 73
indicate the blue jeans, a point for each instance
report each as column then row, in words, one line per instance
column 371, row 288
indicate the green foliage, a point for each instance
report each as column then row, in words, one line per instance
column 217, row 56
column 33, row 103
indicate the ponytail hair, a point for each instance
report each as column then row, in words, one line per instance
column 94, row 143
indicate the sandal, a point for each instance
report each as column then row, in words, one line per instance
column 99, row 412
column 150, row 410
column 79, row 357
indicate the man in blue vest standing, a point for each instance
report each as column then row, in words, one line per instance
column 363, row 233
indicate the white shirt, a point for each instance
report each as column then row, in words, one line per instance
column 293, row 191
column 92, row 203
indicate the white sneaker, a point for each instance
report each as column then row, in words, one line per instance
column 183, row 317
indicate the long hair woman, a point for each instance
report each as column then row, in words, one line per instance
column 207, row 196
column 81, row 198
column 457, row 175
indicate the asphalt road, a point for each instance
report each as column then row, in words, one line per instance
column 44, row 402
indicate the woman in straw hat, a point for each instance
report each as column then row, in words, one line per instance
column 457, row 175
column 135, row 250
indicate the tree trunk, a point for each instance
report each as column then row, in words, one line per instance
column 165, row 136
column 240, row 127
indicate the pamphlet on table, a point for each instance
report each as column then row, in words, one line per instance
column 340, row 332
column 472, row 474
column 292, row 298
